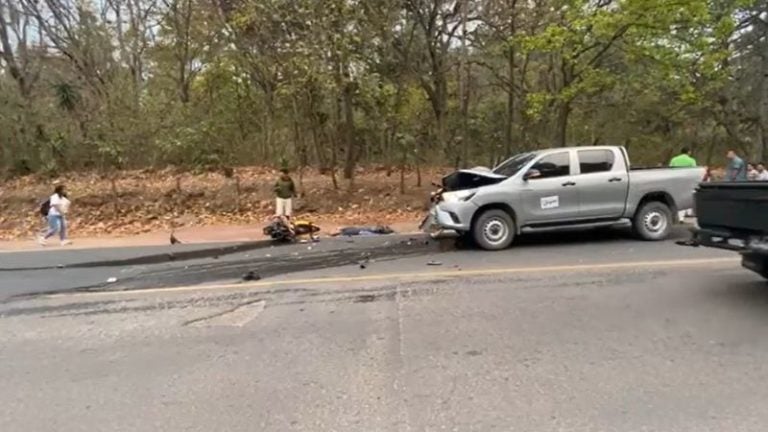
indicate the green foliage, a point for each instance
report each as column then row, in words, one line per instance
column 68, row 98
column 272, row 82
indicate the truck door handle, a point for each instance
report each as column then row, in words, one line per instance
column 615, row 179
column 569, row 183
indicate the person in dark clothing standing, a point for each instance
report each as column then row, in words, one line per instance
column 285, row 190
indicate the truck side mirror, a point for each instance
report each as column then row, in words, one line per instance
column 531, row 174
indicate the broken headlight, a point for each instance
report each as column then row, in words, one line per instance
column 464, row 195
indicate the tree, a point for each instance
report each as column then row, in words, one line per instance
column 344, row 83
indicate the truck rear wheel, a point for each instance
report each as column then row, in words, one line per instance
column 493, row 230
column 653, row 221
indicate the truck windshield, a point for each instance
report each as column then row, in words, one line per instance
column 514, row 164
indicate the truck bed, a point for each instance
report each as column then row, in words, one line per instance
column 737, row 206
column 680, row 183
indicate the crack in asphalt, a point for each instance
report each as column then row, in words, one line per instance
column 220, row 313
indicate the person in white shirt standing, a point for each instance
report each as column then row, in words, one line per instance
column 58, row 207
column 762, row 173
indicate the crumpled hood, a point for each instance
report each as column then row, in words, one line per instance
column 470, row 179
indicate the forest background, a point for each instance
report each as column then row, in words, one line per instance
column 150, row 108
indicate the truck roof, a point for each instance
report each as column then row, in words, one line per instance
column 576, row 148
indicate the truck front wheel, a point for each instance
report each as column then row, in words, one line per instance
column 653, row 221
column 493, row 230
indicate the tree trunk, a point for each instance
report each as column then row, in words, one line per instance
column 437, row 90
column 763, row 128
column 403, row 166
column 319, row 153
column 334, row 143
column 238, row 192
column 509, row 118
column 316, row 125
column 418, row 172
column 349, row 134
column 464, row 77
column 333, row 170
column 115, row 195
column 440, row 112
column 561, row 126
column 299, row 145
column 268, row 124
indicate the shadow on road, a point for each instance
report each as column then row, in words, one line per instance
column 753, row 293
column 598, row 236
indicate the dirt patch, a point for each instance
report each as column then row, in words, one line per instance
column 137, row 202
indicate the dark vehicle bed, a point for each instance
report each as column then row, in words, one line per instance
column 734, row 216
column 739, row 206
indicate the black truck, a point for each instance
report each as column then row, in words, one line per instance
column 734, row 216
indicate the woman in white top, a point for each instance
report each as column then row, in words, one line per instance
column 57, row 223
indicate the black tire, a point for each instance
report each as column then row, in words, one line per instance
column 757, row 263
column 653, row 221
column 493, row 230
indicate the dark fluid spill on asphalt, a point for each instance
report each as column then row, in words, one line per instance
column 285, row 263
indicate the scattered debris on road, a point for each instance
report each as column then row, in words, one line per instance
column 364, row 231
column 112, row 280
column 434, row 263
column 251, row 276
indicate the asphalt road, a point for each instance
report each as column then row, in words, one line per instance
column 575, row 333
column 48, row 271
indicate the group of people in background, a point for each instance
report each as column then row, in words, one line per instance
column 757, row 172
column 736, row 169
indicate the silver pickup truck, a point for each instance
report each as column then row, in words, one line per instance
column 562, row 189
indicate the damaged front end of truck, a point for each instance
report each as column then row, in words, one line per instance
column 459, row 186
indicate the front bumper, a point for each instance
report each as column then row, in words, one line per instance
column 456, row 216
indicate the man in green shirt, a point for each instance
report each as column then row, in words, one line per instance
column 683, row 160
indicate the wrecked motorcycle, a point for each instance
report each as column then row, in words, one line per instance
column 281, row 229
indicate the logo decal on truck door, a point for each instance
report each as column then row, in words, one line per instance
column 550, row 202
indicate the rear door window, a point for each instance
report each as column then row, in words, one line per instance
column 595, row 161
column 554, row 165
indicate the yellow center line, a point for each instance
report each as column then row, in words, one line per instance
column 422, row 275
